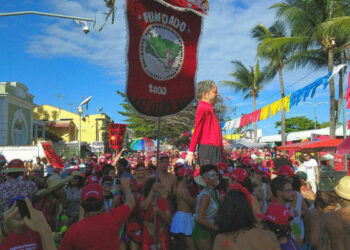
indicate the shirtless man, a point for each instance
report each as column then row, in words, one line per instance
column 325, row 201
column 167, row 180
column 335, row 226
column 182, row 224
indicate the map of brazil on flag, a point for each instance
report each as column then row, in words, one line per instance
column 162, row 57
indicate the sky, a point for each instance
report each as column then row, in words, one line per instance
column 53, row 56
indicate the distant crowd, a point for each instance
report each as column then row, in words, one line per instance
column 253, row 199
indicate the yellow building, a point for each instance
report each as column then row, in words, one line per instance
column 65, row 124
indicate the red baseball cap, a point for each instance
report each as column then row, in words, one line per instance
column 285, row 170
column 247, row 161
column 239, row 174
column 258, row 168
column 134, row 230
column 277, row 214
column 91, row 179
column 102, row 160
column 92, row 190
column 222, row 167
column 182, row 172
column 108, row 155
column 267, row 153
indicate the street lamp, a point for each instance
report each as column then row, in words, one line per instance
column 315, row 111
column 79, row 20
column 80, row 112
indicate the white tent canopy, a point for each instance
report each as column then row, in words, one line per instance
column 297, row 136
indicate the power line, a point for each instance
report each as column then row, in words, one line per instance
column 286, row 86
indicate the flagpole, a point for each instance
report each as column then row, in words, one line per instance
column 157, row 178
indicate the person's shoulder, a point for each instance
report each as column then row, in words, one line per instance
column 123, row 210
column 329, row 218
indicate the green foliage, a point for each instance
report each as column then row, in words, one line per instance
column 172, row 127
column 300, row 123
column 248, row 80
column 41, row 114
column 54, row 115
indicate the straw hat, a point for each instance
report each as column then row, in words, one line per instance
column 54, row 182
column 15, row 166
column 343, row 188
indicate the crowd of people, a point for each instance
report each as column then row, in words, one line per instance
column 253, row 199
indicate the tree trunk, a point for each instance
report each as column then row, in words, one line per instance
column 255, row 128
column 340, row 97
column 331, row 95
column 283, row 119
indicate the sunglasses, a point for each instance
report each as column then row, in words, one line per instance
column 211, row 174
column 107, row 184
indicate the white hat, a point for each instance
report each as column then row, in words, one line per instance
column 180, row 160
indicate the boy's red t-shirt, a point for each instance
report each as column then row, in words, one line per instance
column 28, row 240
column 97, row 232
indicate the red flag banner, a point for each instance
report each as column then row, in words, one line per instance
column 200, row 7
column 51, row 155
column 116, row 135
column 162, row 57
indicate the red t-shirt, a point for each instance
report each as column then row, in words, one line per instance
column 97, row 232
column 207, row 129
column 28, row 240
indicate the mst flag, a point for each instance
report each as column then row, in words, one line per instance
column 162, row 57
column 51, row 155
column 116, row 135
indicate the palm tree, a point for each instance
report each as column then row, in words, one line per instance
column 319, row 25
column 276, row 56
column 248, row 80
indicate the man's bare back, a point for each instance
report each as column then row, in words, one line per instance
column 335, row 230
column 253, row 239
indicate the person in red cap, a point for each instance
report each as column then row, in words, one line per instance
column 240, row 176
column 182, row 224
column 207, row 132
column 297, row 205
column 278, row 220
column 98, row 230
column 237, row 226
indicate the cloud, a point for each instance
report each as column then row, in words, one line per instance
column 225, row 36
column 106, row 48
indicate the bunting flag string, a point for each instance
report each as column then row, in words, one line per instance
column 287, row 102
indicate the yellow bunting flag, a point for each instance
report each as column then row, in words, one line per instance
column 286, row 103
column 276, row 107
column 265, row 113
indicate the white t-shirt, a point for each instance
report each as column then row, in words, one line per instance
column 309, row 167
